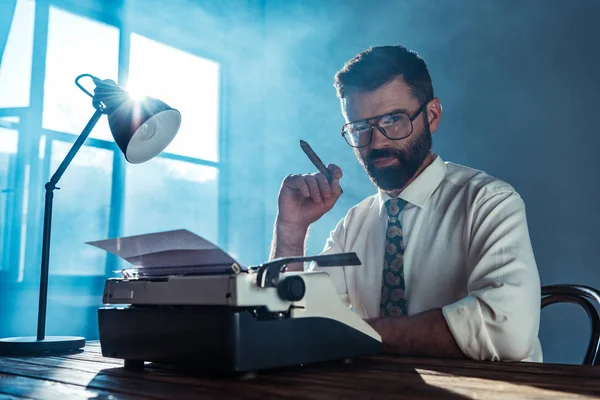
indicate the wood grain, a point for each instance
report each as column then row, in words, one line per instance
column 90, row 375
column 22, row 387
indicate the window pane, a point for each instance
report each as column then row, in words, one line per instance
column 185, row 82
column 8, row 152
column 9, row 122
column 77, row 45
column 15, row 70
column 166, row 194
column 81, row 210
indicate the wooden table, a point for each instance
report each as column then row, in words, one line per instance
column 89, row 375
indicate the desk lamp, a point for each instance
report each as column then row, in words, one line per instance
column 142, row 129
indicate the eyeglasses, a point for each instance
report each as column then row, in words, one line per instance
column 396, row 125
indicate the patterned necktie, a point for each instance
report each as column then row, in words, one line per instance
column 393, row 297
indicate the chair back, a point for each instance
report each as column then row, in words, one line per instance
column 582, row 295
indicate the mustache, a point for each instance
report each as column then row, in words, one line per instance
column 383, row 153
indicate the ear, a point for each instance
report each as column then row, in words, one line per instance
column 434, row 113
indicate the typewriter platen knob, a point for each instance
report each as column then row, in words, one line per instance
column 291, row 288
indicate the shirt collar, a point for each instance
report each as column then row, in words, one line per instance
column 421, row 189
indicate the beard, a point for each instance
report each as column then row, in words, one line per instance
column 409, row 159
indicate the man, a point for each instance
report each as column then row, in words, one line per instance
column 447, row 265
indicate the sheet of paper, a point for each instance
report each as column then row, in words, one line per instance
column 176, row 249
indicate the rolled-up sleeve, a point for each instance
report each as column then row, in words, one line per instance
column 499, row 318
column 333, row 245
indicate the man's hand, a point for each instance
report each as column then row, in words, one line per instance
column 422, row 335
column 303, row 199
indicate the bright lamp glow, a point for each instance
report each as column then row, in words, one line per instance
column 141, row 128
column 152, row 137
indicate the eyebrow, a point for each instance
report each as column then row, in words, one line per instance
column 403, row 110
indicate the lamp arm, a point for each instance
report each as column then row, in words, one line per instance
column 50, row 186
column 75, row 148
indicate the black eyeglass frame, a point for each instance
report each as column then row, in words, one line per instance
column 382, row 130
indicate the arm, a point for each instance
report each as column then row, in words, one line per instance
column 499, row 319
column 289, row 241
column 422, row 335
column 303, row 199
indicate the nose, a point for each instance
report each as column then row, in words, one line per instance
column 378, row 140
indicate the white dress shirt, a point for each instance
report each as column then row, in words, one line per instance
column 466, row 250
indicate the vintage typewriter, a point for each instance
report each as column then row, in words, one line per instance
column 225, row 318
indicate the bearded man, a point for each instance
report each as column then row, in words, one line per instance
column 447, row 268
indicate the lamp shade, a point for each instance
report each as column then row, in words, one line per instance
column 142, row 128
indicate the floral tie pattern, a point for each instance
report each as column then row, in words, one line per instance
column 393, row 296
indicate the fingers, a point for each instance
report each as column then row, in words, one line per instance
column 336, row 171
column 313, row 186
column 316, row 186
column 297, row 182
column 324, row 186
column 306, row 184
column 336, row 189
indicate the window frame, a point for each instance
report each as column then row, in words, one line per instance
column 12, row 255
column 30, row 135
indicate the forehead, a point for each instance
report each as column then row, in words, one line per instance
column 391, row 96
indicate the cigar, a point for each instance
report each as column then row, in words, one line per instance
column 314, row 158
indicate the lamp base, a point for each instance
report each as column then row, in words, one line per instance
column 29, row 345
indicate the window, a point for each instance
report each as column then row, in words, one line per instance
column 179, row 189
column 81, row 209
column 90, row 47
column 168, row 194
column 186, row 82
column 15, row 70
column 8, row 151
column 101, row 195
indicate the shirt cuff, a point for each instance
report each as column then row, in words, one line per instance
column 466, row 322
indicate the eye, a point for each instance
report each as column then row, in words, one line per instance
column 391, row 119
column 358, row 127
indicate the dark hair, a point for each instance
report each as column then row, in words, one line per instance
column 373, row 68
